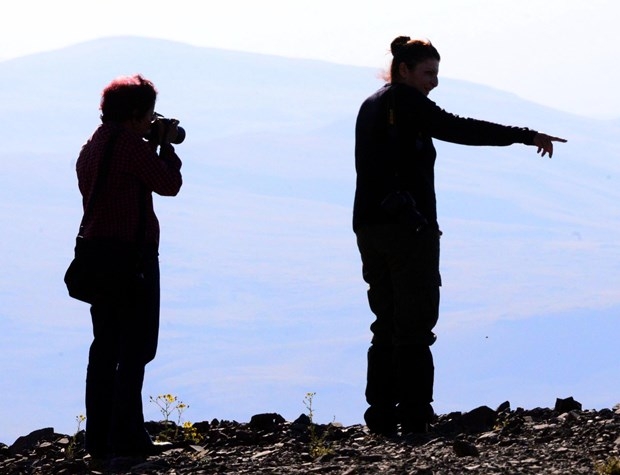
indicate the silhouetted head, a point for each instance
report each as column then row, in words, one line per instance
column 127, row 98
column 411, row 52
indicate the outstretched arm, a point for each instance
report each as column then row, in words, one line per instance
column 544, row 143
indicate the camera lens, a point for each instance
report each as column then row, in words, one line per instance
column 180, row 135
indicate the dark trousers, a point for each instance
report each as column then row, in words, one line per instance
column 401, row 267
column 125, row 334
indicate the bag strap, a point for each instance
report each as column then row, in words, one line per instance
column 102, row 175
column 104, row 167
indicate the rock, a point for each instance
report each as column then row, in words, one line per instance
column 505, row 406
column 463, row 448
column 28, row 442
column 567, row 405
column 266, row 422
column 303, row 420
column 480, row 419
column 202, row 426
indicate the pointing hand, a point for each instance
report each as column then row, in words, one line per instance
column 544, row 143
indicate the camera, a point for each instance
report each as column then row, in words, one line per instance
column 153, row 134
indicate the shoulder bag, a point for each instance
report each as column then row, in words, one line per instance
column 105, row 269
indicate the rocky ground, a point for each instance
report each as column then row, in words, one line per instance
column 562, row 440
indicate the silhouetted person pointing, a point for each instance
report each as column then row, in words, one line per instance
column 395, row 221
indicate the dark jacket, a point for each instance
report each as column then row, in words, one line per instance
column 394, row 149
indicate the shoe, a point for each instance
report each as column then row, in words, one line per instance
column 381, row 420
column 413, row 427
column 415, row 418
column 98, row 464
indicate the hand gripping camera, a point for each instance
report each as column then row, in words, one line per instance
column 153, row 134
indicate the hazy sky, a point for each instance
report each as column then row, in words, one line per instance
column 559, row 53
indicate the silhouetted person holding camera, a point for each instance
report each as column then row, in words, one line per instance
column 119, row 170
column 395, row 221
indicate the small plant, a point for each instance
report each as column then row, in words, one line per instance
column 610, row 467
column 190, row 433
column 73, row 443
column 79, row 419
column 318, row 444
column 168, row 405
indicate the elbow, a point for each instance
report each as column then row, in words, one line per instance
column 172, row 189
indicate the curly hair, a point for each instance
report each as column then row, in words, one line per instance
column 127, row 97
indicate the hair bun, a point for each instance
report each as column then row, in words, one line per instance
column 398, row 43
